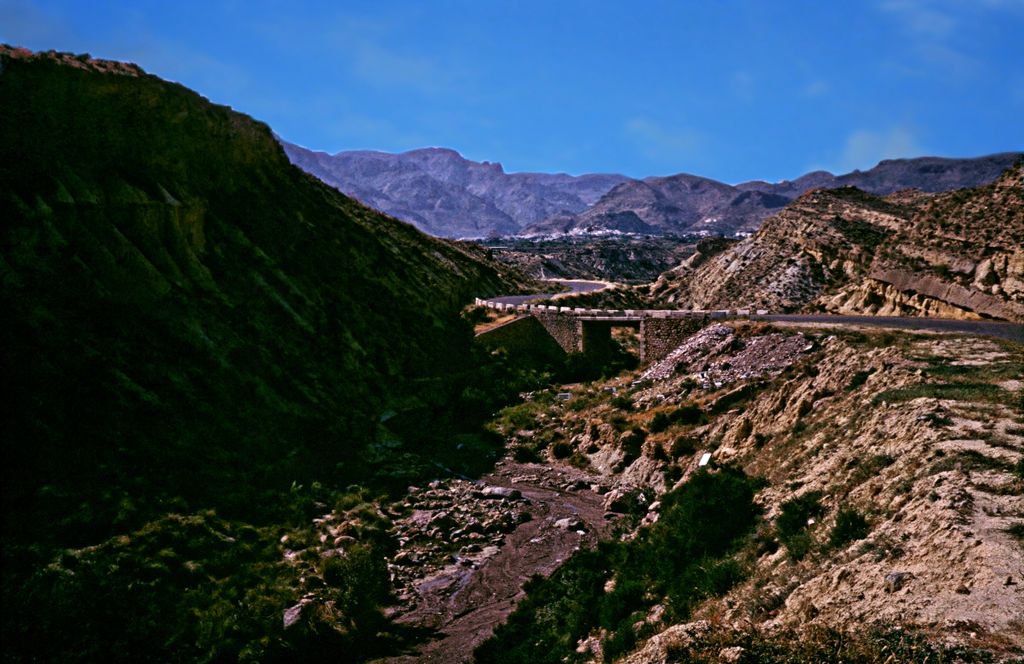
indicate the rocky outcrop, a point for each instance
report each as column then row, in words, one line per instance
column 845, row 251
column 820, row 240
column 893, row 292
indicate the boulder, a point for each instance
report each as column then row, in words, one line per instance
column 571, row 523
column 895, row 581
column 623, row 500
column 293, row 614
column 500, row 492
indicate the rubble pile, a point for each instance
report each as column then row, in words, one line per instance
column 759, row 356
column 709, row 341
column 449, row 522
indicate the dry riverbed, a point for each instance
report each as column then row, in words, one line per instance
column 467, row 548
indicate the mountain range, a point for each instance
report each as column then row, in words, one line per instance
column 446, row 195
column 443, row 194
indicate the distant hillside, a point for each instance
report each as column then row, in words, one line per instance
column 200, row 341
column 443, row 194
column 681, row 204
column 674, row 205
column 956, row 254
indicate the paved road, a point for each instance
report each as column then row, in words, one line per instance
column 575, row 286
column 1012, row 331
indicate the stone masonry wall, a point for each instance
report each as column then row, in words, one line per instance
column 660, row 336
column 523, row 334
column 567, row 330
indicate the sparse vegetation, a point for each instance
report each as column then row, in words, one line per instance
column 793, row 523
column 684, row 558
column 850, row 526
column 874, row 645
column 986, row 392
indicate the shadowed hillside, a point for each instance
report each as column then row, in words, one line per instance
column 190, row 322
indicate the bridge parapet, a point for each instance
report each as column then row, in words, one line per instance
column 579, row 329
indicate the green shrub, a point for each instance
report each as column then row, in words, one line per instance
column 684, row 445
column 858, row 379
column 797, row 511
column 986, row 392
column 683, row 557
column 525, row 454
column 689, row 414
column 659, row 422
column 850, row 525
column 791, row 524
column 618, row 422
column 561, row 450
column 620, row 641
column 622, row 402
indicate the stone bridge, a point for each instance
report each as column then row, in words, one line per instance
column 588, row 331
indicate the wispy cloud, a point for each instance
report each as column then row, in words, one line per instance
column 743, row 85
column 922, row 17
column 816, row 88
column 22, row 23
column 662, row 143
column 864, row 148
column 941, row 33
column 384, row 66
column 373, row 49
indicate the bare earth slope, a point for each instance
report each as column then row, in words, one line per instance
column 919, row 437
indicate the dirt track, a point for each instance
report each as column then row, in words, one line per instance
column 464, row 605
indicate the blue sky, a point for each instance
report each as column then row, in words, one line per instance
column 729, row 89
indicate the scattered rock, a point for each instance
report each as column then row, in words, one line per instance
column 406, row 558
column 623, row 500
column 293, row 614
column 571, row 523
column 894, row 581
column 501, row 492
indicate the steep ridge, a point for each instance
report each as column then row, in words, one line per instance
column 684, row 203
column 192, row 324
column 446, row 195
column 954, row 255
